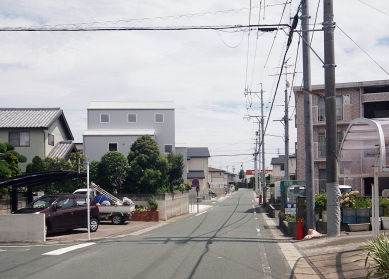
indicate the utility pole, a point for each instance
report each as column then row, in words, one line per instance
column 308, row 121
column 286, row 123
column 332, row 183
column 264, row 191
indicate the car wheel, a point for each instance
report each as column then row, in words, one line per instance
column 117, row 219
column 94, row 224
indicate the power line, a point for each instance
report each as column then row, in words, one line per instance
column 263, row 28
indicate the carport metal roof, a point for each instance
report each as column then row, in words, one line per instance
column 364, row 139
column 39, row 178
column 365, row 152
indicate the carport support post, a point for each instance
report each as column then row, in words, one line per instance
column 88, row 198
column 14, row 199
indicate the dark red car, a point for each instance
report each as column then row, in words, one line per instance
column 64, row 212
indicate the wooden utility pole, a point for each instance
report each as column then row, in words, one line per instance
column 332, row 184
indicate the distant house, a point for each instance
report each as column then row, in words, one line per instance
column 217, row 178
column 42, row 132
column 279, row 168
column 197, row 166
column 114, row 126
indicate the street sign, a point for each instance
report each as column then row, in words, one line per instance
column 195, row 182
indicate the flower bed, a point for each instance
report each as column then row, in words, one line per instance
column 145, row 216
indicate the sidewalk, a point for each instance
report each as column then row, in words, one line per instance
column 325, row 257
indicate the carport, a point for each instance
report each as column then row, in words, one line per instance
column 365, row 151
column 31, row 180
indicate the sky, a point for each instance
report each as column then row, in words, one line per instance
column 213, row 77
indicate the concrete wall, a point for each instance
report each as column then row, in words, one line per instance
column 22, row 228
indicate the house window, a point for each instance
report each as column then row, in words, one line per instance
column 19, row 138
column 168, row 148
column 282, row 167
column 321, row 109
column 104, row 118
column 51, row 139
column 112, row 146
column 159, row 117
column 131, row 118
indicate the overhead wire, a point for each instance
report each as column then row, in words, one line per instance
column 362, row 49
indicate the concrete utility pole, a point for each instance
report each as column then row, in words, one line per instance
column 286, row 123
column 308, row 121
column 264, row 191
column 332, row 185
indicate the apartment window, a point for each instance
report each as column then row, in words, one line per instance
column 321, row 109
column 112, row 146
column 159, row 117
column 168, row 148
column 322, row 143
column 19, row 138
column 104, row 118
column 131, row 118
column 51, row 139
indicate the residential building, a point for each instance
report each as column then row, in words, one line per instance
column 114, row 126
column 197, row 166
column 42, row 132
column 217, row 178
column 279, row 168
column 368, row 99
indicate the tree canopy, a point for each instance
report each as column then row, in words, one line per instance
column 148, row 169
column 9, row 163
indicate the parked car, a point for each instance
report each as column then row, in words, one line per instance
column 64, row 212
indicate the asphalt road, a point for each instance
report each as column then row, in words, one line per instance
column 228, row 240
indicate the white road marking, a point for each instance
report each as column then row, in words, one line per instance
column 148, row 229
column 67, row 249
column 200, row 213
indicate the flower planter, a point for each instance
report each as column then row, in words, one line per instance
column 363, row 215
column 379, row 222
column 349, row 215
column 385, row 222
column 145, row 216
column 359, row 227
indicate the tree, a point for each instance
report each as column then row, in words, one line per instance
column 241, row 174
column 9, row 163
column 176, row 162
column 148, row 169
column 112, row 169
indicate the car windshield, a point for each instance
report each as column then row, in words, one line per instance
column 42, row 202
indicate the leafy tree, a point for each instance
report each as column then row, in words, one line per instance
column 112, row 170
column 241, row 174
column 148, row 169
column 176, row 162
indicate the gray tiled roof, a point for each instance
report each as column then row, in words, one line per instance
column 198, row 152
column 281, row 159
column 62, row 150
column 33, row 118
column 196, row 174
column 28, row 117
column 210, row 169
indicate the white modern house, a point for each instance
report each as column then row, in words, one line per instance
column 114, row 126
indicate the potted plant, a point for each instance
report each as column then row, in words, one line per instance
column 363, row 208
column 377, row 250
column 384, row 202
column 321, row 206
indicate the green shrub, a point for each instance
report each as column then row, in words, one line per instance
column 378, row 252
column 320, row 202
column 140, row 208
column 153, row 203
